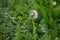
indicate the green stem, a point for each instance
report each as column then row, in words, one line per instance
column 34, row 29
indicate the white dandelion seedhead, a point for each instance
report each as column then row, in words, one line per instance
column 33, row 14
column 54, row 3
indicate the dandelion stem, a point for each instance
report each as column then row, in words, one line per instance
column 34, row 29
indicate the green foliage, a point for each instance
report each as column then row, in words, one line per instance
column 15, row 23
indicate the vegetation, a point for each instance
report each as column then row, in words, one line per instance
column 17, row 21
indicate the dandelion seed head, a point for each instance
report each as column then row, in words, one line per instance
column 54, row 3
column 33, row 14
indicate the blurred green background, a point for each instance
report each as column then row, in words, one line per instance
column 16, row 25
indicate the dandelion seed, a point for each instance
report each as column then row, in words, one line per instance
column 54, row 3
column 33, row 14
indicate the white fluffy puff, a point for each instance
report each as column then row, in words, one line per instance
column 54, row 3
column 33, row 14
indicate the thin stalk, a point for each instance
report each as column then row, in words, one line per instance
column 34, row 29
